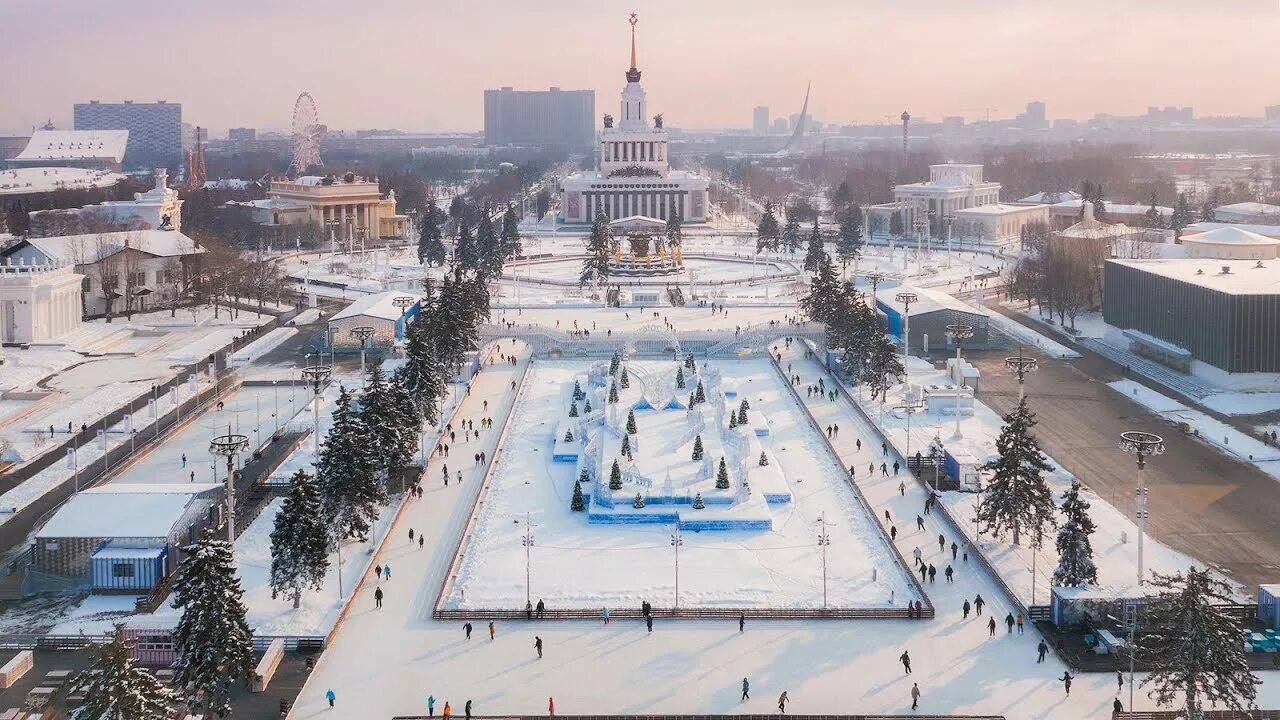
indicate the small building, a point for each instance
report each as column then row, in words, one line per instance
column 88, row 149
column 159, row 208
column 378, row 311
column 38, row 302
column 131, row 270
column 930, row 314
column 1050, row 197
column 350, row 209
column 1248, row 212
column 951, row 187
column 998, row 223
column 1231, row 243
column 125, row 536
column 1067, row 213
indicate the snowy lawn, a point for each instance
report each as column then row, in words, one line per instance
column 576, row 564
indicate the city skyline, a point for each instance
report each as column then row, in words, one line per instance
column 424, row 72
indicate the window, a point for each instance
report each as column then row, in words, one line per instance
column 155, row 642
column 121, row 570
column 139, row 278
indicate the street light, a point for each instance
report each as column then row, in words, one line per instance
column 910, row 409
column 906, row 298
column 1021, row 365
column 362, row 333
column 1141, row 444
column 824, row 541
column 676, row 541
column 874, row 278
column 958, row 333
column 318, row 376
column 229, row 446
column 527, row 541
column 404, row 302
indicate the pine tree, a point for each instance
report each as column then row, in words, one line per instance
column 465, row 252
column 814, row 254
column 1181, row 217
column 347, row 474
column 573, row 409
column 422, row 375
column 595, row 267
column 510, row 237
column 1075, row 552
column 698, row 504
column 625, row 450
column 691, row 401
column 742, row 412
column 1152, row 217
column 733, row 420
column 1017, row 497
column 639, row 501
column 697, row 448
column 615, row 477
column 212, row 640
column 615, row 363
column 631, row 422
column 578, row 503
column 674, row 233
column 722, row 476
column 586, row 407
column 625, row 380
column 489, row 246
column 690, row 363
column 613, row 393
column 299, row 541
column 791, row 233
column 380, row 412
column 842, row 196
column 568, row 436
column 767, row 232
column 577, row 391
column 849, row 241
column 117, row 688
column 764, row 459
column 824, row 291
column 883, row 368
column 680, row 378
column 700, row 394
column 1193, row 645
column 584, row 476
column 431, row 248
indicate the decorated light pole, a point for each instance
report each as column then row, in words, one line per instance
column 362, row 333
column 229, row 446
column 906, row 298
column 910, row 409
column 824, row 541
column 874, row 278
column 958, row 333
column 1021, row 365
column 318, row 377
column 1142, row 444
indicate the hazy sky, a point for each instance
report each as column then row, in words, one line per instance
column 422, row 64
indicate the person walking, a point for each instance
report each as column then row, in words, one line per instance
column 1019, row 621
column 991, row 627
column 1119, row 681
column 493, row 630
column 447, row 711
column 782, row 702
column 467, row 629
column 466, row 709
column 1066, row 682
column 746, row 690
column 604, row 613
column 1041, row 649
column 377, row 597
column 915, row 696
column 431, row 706
column 537, row 645
column 551, row 707
column 648, row 622
column 966, row 609
column 1008, row 622
column 905, row 659
column 978, row 602
column 742, row 622
column 331, row 696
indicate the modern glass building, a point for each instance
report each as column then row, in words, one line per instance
column 155, row 129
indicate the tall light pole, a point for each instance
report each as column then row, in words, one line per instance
column 676, row 541
column 229, row 446
column 949, row 218
column 910, row 409
column 959, row 333
column 318, row 376
column 1021, row 366
column 874, row 278
column 404, row 302
column 527, row 541
column 1142, row 444
column 906, row 298
column 362, row 333
column 824, row 541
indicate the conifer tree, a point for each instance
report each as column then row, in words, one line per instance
column 347, row 474
column 742, row 412
column 584, row 476
column 631, row 422
column 883, row 368
column 764, row 459
column 465, row 252
column 299, row 541
column 615, row 476
column 1181, row 217
column 673, row 231
column 625, row 380
column 680, row 378
column 1017, row 497
column 814, row 253
column 625, row 450
column 577, row 390
column 697, row 448
column 573, row 409
column 639, row 501
column 613, row 392
column 895, row 224
column 421, row 376
column 698, row 503
column 578, row 503
column 118, row 688
column 615, row 363
column 568, row 436
column 586, row 406
column 212, row 641
column 690, row 363
column 733, row 420
column 791, row 233
column 1193, row 645
column 510, row 237
column 595, row 267
column 821, row 303
column 691, row 401
column 849, row 241
column 722, row 476
column 767, row 231
column 1152, row 218
column 380, row 411
column 1075, row 551
column 431, row 248
column 700, row 393
column 489, row 245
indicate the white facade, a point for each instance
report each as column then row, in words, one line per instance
column 1231, row 244
column 633, row 174
column 949, row 189
column 997, row 223
column 159, row 208
column 38, row 302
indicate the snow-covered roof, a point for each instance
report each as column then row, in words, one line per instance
column 227, row 184
column 996, row 209
column 22, row 181
column 1272, row 231
column 1230, row 236
column 927, row 300
column 1118, row 208
column 1250, row 208
column 124, row 510
column 1245, row 277
column 87, row 249
column 112, row 552
column 63, row 145
column 1051, row 197
column 1091, row 229
column 379, row 305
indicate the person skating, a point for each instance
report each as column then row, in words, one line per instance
column 1066, row 681
column 896, row 467
column 604, row 613
column 954, row 548
column 746, row 690
column 924, row 572
column 1019, row 621
column 542, row 608
column 467, row 629
column 648, row 622
column 949, row 573
column 421, row 540
column 1116, row 707
column 978, row 602
column 1119, row 680
column 410, row 536
column 916, row 554
column 884, row 449
column 742, row 622
column 905, row 659
column 966, row 609
column 942, row 542
column 884, row 470
column 920, row 523
column 859, row 444
column 466, row 709
column 1008, row 621
column 377, row 598
column 893, row 532
column 447, row 711
column 887, row 519
column 331, row 696
column 386, row 570
column 915, row 696
column 537, row 645
column 782, row 702
column 551, row 707
column 1041, row 649
column 991, row 627
column 933, row 573
column 377, row 570
column 431, row 706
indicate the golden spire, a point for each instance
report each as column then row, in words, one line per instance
column 633, row 75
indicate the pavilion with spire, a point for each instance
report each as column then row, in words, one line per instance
column 633, row 176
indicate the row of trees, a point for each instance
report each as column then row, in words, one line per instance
column 787, row 237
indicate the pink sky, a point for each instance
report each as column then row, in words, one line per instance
column 423, row 64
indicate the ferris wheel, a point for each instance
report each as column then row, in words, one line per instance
column 307, row 132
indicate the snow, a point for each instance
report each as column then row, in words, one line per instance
column 77, row 249
column 1023, row 334
column 25, row 181
column 120, row 511
column 1245, row 277
column 203, row 346
column 381, row 306
column 62, row 145
column 1238, row 403
column 263, row 345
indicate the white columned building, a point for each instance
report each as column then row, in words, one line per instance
column 633, row 175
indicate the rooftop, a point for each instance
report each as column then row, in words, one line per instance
column 1231, row 236
column 61, row 145
column 927, row 300
column 23, row 181
column 132, row 510
column 379, row 305
column 997, row 209
column 1272, row 231
column 1255, row 208
column 1244, row 277
column 85, row 249
column 1118, row 208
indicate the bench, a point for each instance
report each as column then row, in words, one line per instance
column 1108, row 642
column 268, row 664
column 17, row 666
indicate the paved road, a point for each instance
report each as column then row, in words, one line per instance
column 1202, row 502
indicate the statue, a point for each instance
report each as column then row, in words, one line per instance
column 166, row 222
column 608, row 120
column 657, row 121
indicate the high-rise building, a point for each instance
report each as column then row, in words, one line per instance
column 760, row 120
column 155, row 129
column 781, row 126
column 1271, row 113
column 1036, row 114
column 540, row 117
column 242, row 134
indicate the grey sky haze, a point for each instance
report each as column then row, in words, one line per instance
column 422, row 64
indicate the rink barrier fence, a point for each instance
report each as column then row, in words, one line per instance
column 773, row 716
column 684, row 613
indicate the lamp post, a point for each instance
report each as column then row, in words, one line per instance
column 676, row 541
column 527, row 541
column 906, row 298
column 910, row 409
column 874, row 278
column 404, row 302
column 362, row 333
column 229, row 446
column 1021, row 365
column 318, row 376
column 824, row 541
column 1142, row 444
column 958, row 333
column 949, row 218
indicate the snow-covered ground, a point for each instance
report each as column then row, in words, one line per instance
column 631, row 563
